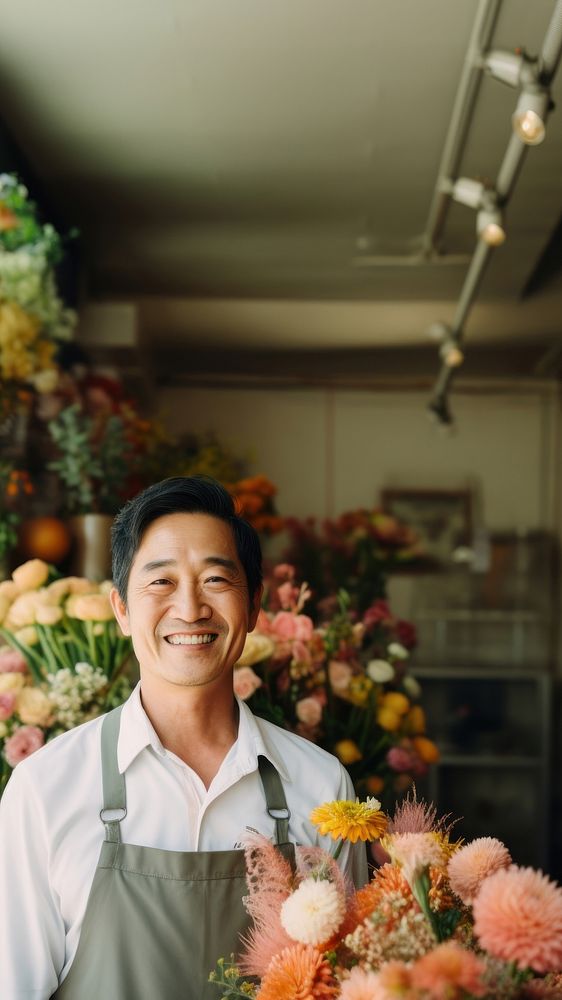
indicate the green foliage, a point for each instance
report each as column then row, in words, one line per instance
column 94, row 460
column 9, row 519
column 227, row 978
column 29, row 232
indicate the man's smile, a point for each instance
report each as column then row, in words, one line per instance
column 186, row 639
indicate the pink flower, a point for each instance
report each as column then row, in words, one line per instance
column 309, row 711
column 7, row 705
column 284, row 571
column 287, row 625
column 378, row 612
column 518, row 918
column 405, row 760
column 340, row 674
column 288, row 595
column 304, row 627
column 473, row 863
column 12, row 661
column 301, row 652
column 362, row 986
column 448, row 972
column 245, row 682
column 25, row 741
column 263, row 623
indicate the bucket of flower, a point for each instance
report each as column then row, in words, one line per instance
column 440, row 920
column 62, row 661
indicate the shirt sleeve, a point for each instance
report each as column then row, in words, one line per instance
column 32, row 933
column 353, row 857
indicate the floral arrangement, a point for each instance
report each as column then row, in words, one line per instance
column 15, row 485
column 343, row 684
column 440, row 920
column 33, row 318
column 62, row 660
column 355, row 551
column 254, row 500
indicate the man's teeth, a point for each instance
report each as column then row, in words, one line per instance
column 191, row 640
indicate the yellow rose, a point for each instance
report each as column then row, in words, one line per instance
column 48, row 614
column 34, row 707
column 11, row 682
column 30, row 575
column 396, row 702
column 256, row 648
column 90, row 607
column 388, row 719
column 359, row 690
column 27, row 636
column 347, row 751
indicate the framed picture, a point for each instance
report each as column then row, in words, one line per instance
column 441, row 519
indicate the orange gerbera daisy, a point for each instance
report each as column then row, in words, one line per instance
column 299, row 973
column 350, row 820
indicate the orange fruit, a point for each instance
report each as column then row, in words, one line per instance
column 46, row 538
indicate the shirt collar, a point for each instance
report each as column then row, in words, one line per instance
column 137, row 732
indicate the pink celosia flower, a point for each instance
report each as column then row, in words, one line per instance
column 414, row 852
column 12, row 661
column 449, row 971
column 412, row 816
column 518, row 917
column 309, row 711
column 245, row 682
column 362, row 986
column 7, row 705
column 25, row 741
column 473, row 863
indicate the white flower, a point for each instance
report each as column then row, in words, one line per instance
column 411, row 686
column 380, row 671
column 314, row 912
column 397, row 650
column 414, row 852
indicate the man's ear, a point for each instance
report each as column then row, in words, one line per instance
column 120, row 611
column 255, row 608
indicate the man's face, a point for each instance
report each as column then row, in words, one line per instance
column 188, row 607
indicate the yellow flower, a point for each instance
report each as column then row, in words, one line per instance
column 388, row 719
column 350, row 820
column 415, row 720
column 426, row 749
column 34, row 707
column 11, row 682
column 348, row 751
column 31, row 574
column 90, row 607
column 27, row 636
column 256, row 648
column 396, row 702
column 359, row 690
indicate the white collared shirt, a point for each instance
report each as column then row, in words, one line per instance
column 51, row 832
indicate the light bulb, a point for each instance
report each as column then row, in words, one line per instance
column 528, row 117
column 489, row 226
column 451, row 354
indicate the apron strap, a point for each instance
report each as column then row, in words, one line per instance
column 114, row 796
column 275, row 799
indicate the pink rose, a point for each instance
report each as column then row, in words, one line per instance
column 301, row 652
column 283, row 625
column 284, row 571
column 404, row 760
column 245, row 682
column 25, row 741
column 304, row 627
column 309, row 711
column 7, row 705
column 12, row 661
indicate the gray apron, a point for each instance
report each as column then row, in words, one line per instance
column 157, row 921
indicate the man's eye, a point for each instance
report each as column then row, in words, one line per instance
column 216, row 579
column 161, row 582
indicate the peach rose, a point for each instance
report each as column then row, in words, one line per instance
column 245, row 682
column 25, row 741
column 31, row 574
column 12, row 682
column 90, row 608
column 48, row 614
column 9, row 589
column 340, row 674
column 27, row 636
column 309, row 711
column 22, row 611
column 34, row 707
column 5, row 605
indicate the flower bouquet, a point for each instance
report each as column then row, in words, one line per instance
column 342, row 684
column 439, row 920
column 62, row 660
column 355, row 551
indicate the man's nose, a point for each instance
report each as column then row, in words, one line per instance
column 190, row 604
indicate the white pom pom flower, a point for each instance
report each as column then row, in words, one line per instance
column 313, row 912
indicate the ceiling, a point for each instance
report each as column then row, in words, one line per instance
column 259, row 177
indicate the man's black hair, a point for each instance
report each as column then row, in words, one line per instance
column 181, row 494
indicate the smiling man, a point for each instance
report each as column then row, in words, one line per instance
column 121, row 872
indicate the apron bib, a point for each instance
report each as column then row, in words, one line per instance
column 157, row 921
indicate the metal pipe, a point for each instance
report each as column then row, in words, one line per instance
column 475, row 273
column 552, row 46
column 460, row 118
